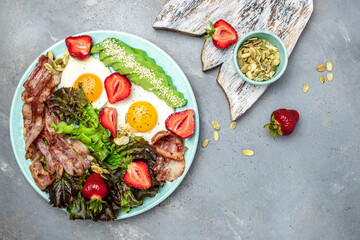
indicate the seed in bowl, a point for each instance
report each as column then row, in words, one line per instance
column 257, row 59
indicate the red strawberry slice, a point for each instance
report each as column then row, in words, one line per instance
column 181, row 123
column 222, row 33
column 117, row 87
column 137, row 175
column 79, row 47
column 95, row 189
column 108, row 119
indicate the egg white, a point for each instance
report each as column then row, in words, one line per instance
column 76, row 68
column 139, row 94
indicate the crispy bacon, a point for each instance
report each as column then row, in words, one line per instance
column 167, row 169
column 44, row 149
column 43, row 92
column 169, row 145
column 62, row 159
column 82, row 150
column 36, row 125
column 170, row 163
column 41, row 177
column 37, row 74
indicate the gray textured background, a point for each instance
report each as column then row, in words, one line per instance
column 304, row 186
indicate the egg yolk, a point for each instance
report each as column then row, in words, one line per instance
column 142, row 116
column 91, row 84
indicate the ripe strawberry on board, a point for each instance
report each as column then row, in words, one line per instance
column 283, row 122
column 95, row 189
column 222, row 33
column 79, row 47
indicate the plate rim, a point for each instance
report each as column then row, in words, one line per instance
column 191, row 93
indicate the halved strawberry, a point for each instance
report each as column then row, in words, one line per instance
column 222, row 33
column 108, row 119
column 137, row 175
column 117, row 87
column 79, row 47
column 181, row 123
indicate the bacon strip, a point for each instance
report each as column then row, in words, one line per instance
column 170, row 163
column 37, row 74
column 37, row 124
column 62, row 159
column 44, row 149
column 41, row 177
column 169, row 145
column 167, row 169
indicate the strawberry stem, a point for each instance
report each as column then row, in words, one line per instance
column 274, row 127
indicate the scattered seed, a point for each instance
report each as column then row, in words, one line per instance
column 216, row 125
column 233, row 125
column 329, row 66
column 216, row 136
column 65, row 60
column 59, row 61
column 321, row 68
column 329, row 77
column 247, row 152
column 322, row 79
column 205, row 143
column 66, row 53
column 124, row 140
column 59, row 68
column 96, row 169
column 306, row 87
column 50, row 55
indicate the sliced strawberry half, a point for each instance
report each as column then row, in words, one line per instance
column 137, row 175
column 108, row 119
column 222, row 33
column 181, row 123
column 79, row 47
column 117, row 87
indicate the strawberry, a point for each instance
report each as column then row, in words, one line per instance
column 137, row 175
column 79, row 47
column 283, row 122
column 108, row 119
column 95, row 189
column 181, row 123
column 222, row 33
column 117, row 87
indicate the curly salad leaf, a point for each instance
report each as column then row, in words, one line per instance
column 80, row 120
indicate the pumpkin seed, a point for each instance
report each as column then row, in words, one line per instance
column 322, row 79
column 205, row 143
column 96, row 169
column 306, row 87
column 59, row 68
column 66, row 60
column 50, row 55
column 233, row 125
column 257, row 59
column 124, row 140
column 59, row 61
column 66, row 53
column 248, row 152
column 329, row 66
column 329, row 77
column 216, row 136
column 216, row 125
column 321, row 68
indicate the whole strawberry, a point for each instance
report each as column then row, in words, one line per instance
column 283, row 122
column 95, row 189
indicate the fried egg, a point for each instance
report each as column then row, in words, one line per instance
column 143, row 111
column 91, row 73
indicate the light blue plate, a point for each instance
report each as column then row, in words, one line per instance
column 170, row 67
